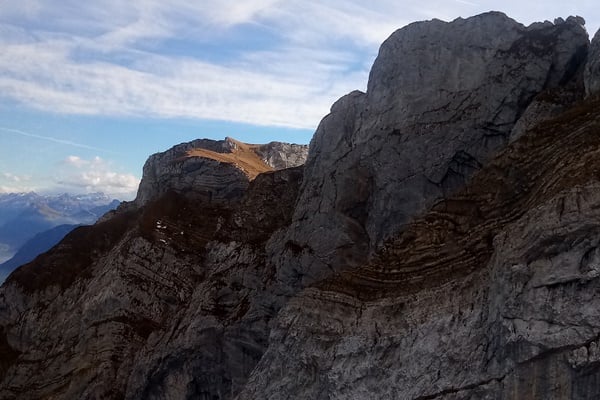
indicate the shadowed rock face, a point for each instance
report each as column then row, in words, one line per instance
column 441, row 99
column 592, row 70
column 417, row 255
column 492, row 294
column 160, row 301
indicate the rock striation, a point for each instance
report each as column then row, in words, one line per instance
column 442, row 98
column 148, row 286
column 492, row 294
column 214, row 171
column 441, row 242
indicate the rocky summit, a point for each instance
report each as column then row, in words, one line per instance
column 441, row 241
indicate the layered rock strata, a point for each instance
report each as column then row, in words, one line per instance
column 399, row 263
column 162, row 299
column 441, row 99
column 214, row 171
column 493, row 294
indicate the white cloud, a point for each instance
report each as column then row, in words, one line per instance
column 76, row 174
column 13, row 177
column 178, row 88
column 75, row 161
column 107, row 58
column 292, row 84
column 14, row 189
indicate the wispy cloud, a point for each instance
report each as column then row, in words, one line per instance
column 469, row 3
column 109, row 57
column 51, row 139
column 291, row 83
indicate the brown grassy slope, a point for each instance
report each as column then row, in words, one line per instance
column 455, row 237
column 71, row 258
column 244, row 156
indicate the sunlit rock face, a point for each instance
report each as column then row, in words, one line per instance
column 212, row 171
column 441, row 242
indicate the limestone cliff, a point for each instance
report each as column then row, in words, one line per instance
column 442, row 98
column 441, row 242
column 592, row 70
column 492, row 294
column 214, row 171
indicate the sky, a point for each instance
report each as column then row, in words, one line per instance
column 89, row 89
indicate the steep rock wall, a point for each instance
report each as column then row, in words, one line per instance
column 592, row 70
column 493, row 294
column 472, row 291
column 441, row 99
column 214, row 171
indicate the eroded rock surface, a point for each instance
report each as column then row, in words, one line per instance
column 214, row 171
column 283, row 155
column 442, row 98
column 165, row 300
column 493, row 294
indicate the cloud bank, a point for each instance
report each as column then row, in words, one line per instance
column 78, row 175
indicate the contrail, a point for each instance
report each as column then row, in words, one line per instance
column 467, row 2
column 55, row 140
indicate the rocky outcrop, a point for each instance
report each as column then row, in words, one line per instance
column 592, row 70
column 214, row 171
column 442, row 98
column 213, row 343
column 283, row 155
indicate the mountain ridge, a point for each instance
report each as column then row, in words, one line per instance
column 23, row 215
column 440, row 242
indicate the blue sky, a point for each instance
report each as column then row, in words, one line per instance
column 89, row 89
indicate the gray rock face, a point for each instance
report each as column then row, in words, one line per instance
column 171, row 170
column 592, row 70
column 210, row 179
column 493, row 294
column 173, row 305
column 441, row 99
column 283, row 155
column 213, row 343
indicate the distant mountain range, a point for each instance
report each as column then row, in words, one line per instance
column 31, row 223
